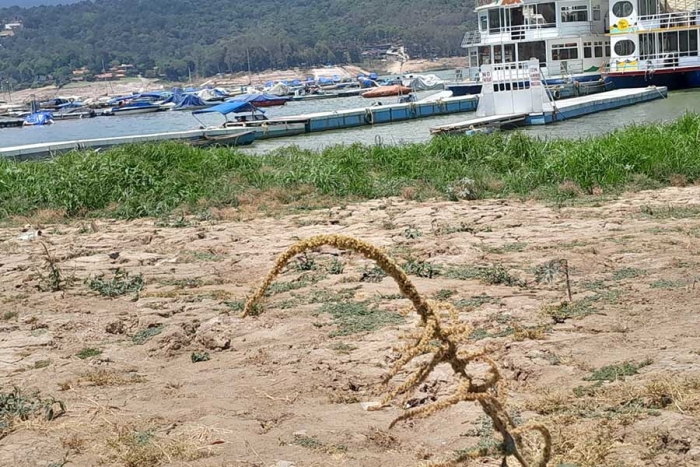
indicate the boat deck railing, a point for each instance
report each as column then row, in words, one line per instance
column 521, row 32
column 653, row 62
column 549, row 70
column 665, row 21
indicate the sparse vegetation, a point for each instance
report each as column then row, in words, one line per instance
column 412, row 233
column 17, row 406
column 356, row 317
column 147, row 334
column 335, row 267
column 570, row 310
column 627, row 273
column 88, row 352
column 121, row 283
column 197, row 357
column 419, row 268
column 619, row 371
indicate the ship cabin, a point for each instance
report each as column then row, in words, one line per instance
column 654, row 35
column 568, row 37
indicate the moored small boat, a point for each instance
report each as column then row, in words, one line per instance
column 134, row 108
column 39, row 118
column 386, row 91
column 261, row 100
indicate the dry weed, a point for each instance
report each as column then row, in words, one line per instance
column 440, row 335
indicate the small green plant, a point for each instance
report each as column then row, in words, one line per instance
column 335, row 267
column 8, row 315
column 570, row 310
column 17, row 406
column 671, row 212
column 616, row 372
column 476, row 301
column 54, row 280
column 372, row 274
column 412, row 233
column 549, row 271
column 421, row 268
column 147, row 334
column 120, row 284
column 444, row 294
column 39, row 364
column 302, row 281
column 197, row 357
column 304, row 263
column 88, row 352
column 207, row 256
column 507, row 248
column 498, row 275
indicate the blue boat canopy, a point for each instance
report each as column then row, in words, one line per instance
column 190, row 101
column 229, row 107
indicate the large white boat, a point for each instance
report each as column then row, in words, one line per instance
column 654, row 42
column 568, row 37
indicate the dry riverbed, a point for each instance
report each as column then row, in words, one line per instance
column 134, row 327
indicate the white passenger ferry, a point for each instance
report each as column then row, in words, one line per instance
column 568, row 37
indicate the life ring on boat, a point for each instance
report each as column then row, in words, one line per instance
column 556, row 94
column 369, row 116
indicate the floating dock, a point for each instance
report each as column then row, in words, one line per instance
column 10, row 123
column 561, row 110
column 353, row 118
column 206, row 137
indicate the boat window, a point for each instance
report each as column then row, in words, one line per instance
column 622, row 9
column 484, row 55
column 495, row 20
column 688, row 42
column 593, row 49
column 540, row 15
column 596, row 13
column 528, row 50
column 483, row 22
column 473, row 58
column 574, row 14
column 607, row 48
column 565, row 51
column 624, row 47
column 648, row 7
column 647, row 46
column 508, row 53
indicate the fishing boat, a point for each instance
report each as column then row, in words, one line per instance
column 134, row 108
column 386, row 91
column 568, row 38
column 654, row 42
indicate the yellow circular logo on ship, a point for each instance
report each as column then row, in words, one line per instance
column 623, row 24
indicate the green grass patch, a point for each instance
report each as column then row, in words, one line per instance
column 627, row 273
column 356, row 317
column 160, row 179
column 492, row 275
column 612, row 373
column 668, row 284
column 88, row 352
column 671, row 212
column 571, row 310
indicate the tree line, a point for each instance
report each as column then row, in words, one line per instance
column 176, row 38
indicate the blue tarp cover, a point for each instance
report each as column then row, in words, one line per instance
column 227, row 108
column 39, row 118
column 190, row 100
column 256, row 98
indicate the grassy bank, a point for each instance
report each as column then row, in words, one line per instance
column 155, row 179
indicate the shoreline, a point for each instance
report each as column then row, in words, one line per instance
column 478, row 167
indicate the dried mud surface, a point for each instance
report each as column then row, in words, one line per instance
column 288, row 385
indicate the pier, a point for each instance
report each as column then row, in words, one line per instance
column 207, row 137
column 11, row 123
column 521, row 106
column 353, row 118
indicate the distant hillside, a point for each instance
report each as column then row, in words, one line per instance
column 212, row 36
column 31, row 3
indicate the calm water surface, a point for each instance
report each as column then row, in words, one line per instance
column 675, row 105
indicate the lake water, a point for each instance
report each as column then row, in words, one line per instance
column 675, row 105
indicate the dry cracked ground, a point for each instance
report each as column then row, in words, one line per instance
column 121, row 342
